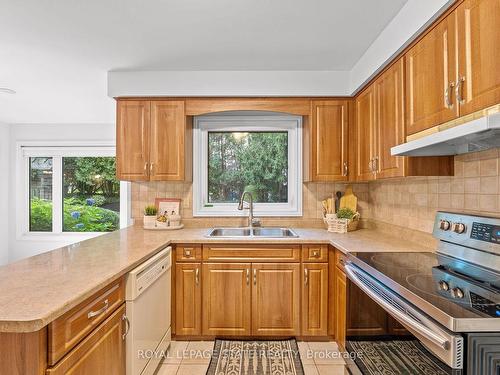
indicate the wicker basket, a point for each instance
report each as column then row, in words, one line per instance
column 337, row 225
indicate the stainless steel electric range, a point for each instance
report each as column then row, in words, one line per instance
column 448, row 300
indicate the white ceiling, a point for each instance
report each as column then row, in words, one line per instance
column 56, row 53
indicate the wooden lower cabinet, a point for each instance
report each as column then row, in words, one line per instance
column 101, row 352
column 188, row 299
column 226, row 299
column 340, row 306
column 314, row 299
column 276, row 299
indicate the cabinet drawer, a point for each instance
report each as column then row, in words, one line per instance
column 340, row 259
column 315, row 253
column 69, row 329
column 186, row 253
column 251, row 253
column 101, row 352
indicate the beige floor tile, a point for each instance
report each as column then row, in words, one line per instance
column 305, row 353
column 331, row 369
column 167, row 369
column 176, row 352
column 310, row 370
column 326, row 353
column 192, row 369
column 198, row 352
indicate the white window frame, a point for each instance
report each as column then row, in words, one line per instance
column 58, row 150
column 242, row 123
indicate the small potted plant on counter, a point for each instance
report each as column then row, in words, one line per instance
column 150, row 216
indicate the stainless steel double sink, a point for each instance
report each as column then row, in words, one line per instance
column 262, row 232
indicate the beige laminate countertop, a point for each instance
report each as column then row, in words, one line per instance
column 37, row 290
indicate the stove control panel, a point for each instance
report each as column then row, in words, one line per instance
column 476, row 232
column 484, row 305
column 485, row 232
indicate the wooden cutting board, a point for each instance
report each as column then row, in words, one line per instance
column 349, row 200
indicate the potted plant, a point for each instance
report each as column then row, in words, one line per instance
column 150, row 216
column 351, row 217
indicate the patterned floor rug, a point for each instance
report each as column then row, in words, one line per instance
column 233, row 357
column 395, row 357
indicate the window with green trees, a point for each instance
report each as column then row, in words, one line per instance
column 248, row 161
column 87, row 198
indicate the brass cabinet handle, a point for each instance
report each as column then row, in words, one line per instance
column 254, row 277
column 197, row 276
column 370, row 165
column 102, row 310
column 447, row 95
column 306, row 276
column 127, row 326
column 315, row 254
column 459, row 89
column 146, row 167
column 346, row 169
column 151, row 167
column 248, row 276
column 375, row 164
column 187, row 252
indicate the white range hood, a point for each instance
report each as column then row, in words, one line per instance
column 476, row 135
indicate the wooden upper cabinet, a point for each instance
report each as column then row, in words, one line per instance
column 226, row 299
column 430, row 78
column 276, row 299
column 390, row 126
column 188, row 299
column 132, row 140
column 329, row 137
column 168, row 128
column 315, row 299
column 478, row 54
column 365, row 130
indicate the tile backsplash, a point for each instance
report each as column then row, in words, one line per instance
column 144, row 193
column 413, row 202
column 408, row 202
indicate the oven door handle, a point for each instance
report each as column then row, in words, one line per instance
column 417, row 326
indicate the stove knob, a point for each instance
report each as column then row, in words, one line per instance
column 459, row 228
column 457, row 293
column 444, row 225
column 443, row 285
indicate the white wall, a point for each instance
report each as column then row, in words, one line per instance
column 228, row 83
column 411, row 19
column 20, row 247
column 4, row 193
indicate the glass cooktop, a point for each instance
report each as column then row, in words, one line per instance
column 458, row 289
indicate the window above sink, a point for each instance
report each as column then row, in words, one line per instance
column 259, row 152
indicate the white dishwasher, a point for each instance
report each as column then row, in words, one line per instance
column 148, row 309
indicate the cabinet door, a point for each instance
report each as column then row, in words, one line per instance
column 430, row 76
column 364, row 316
column 101, row 352
column 329, row 135
column 187, row 299
column 390, row 127
column 132, row 140
column 168, row 137
column 315, row 299
column 478, row 54
column 340, row 307
column 365, row 123
column 275, row 299
column 226, row 299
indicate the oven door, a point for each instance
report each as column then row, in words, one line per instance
column 442, row 343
